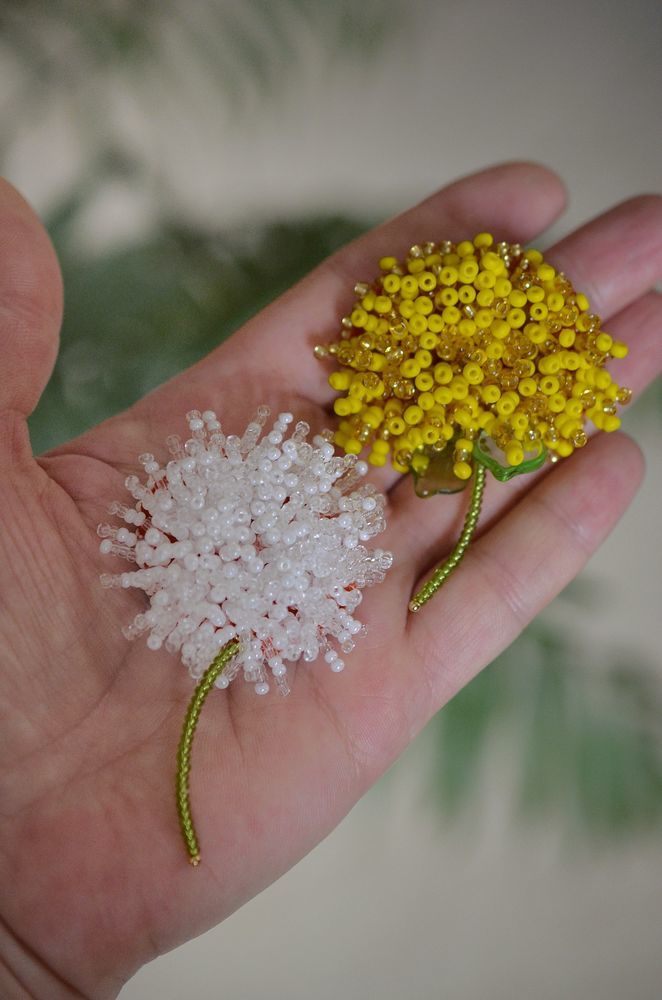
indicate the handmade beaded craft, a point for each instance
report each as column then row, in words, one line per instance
column 466, row 357
column 251, row 552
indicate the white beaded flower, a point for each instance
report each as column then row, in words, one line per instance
column 259, row 540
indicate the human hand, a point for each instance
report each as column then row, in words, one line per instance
column 96, row 877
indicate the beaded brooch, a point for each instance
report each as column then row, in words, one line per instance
column 460, row 360
column 252, row 555
column 467, row 358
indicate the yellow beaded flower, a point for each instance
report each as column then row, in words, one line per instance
column 471, row 353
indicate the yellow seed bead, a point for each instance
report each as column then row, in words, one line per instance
column 451, row 315
column 407, row 309
column 500, row 329
column 391, row 283
column 459, row 387
column 467, row 270
column 494, row 349
column 381, row 447
column 426, row 401
column 462, row 470
column 473, row 373
column 516, row 318
column 410, row 368
column 490, row 393
column 423, row 305
column 556, row 402
column 536, row 333
column 611, row 423
column 357, row 390
column 424, row 358
column 358, row 318
column 573, row 408
column 502, row 288
column 340, row 381
column 465, row 248
column 429, row 340
column 368, row 301
column 414, row 437
column 602, row 379
column 549, row 385
column 396, row 426
column 514, row 454
column 342, row 407
column 448, row 275
column 538, row 311
column 483, row 240
column 424, row 382
column 413, row 415
column 507, row 404
column 582, row 301
column 535, row 293
column 549, row 365
column 377, row 460
column 555, row 301
column 485, row 280
column 466, row 294
column 415, row 265
column 383, row 304
column 483, row 318
column 618, row 349
column 443, row 395
column 446, row 297
column 373, row 416
column 417, row 324
column 527, row 387
column 386, row 263
column 377, row 363
column 603, row 342
column 435, row 324
column 519, row 422
column 517, row 298
column 353, row 446
column 443, row 373
column 431, row 435
column 564, row 449
column 546, row 272
column 371, row 324
column 491, row 261
column 409, row 287
column 427, row 281
column 466, row 328
column 567, row 337
column 534, row 256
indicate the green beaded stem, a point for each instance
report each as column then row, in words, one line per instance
column 442, row 572
column 205, row 685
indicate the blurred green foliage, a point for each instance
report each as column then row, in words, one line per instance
column 582, row 727
column 139, row 314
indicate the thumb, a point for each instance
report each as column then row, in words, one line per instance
column 30, row 310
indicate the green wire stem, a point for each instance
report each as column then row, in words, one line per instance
column 442, row 572
column 205, row 684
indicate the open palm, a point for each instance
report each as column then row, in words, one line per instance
column 95, row 878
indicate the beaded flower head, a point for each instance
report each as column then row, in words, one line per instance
column 251, row 552
column 465, row 358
